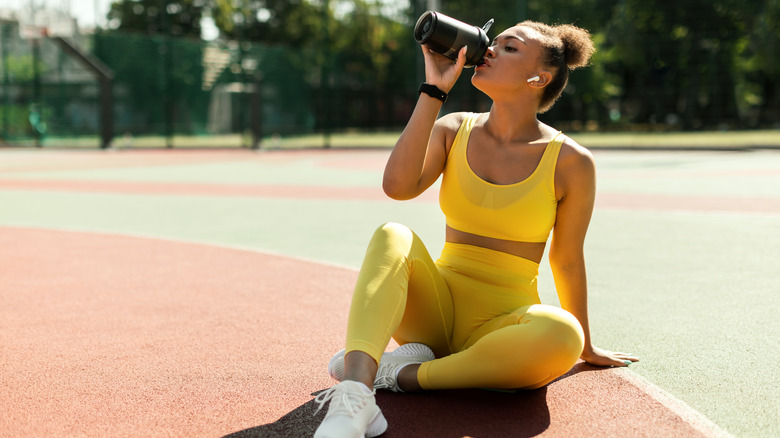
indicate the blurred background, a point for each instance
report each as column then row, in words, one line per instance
column 258, row 73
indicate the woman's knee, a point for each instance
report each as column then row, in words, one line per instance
column 392, row 236
column 559, row 330
column 393, row 231
column 555, row 339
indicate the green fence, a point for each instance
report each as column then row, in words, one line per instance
column 164, row 87
column 655, row 70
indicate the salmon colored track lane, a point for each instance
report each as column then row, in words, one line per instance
column 145, row 188
column 105, row 335
column 630, row 201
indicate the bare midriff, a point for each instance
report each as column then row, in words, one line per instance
column 528, row 250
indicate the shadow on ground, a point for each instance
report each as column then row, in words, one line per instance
column 439, row 413
column 464, row 412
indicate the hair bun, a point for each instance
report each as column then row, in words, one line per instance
column 564, row 48
column 577, row 45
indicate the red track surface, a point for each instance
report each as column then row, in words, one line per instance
column 106, row 335
column 625, row 201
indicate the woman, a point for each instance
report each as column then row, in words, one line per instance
column 473, row 318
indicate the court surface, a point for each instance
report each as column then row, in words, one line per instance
column 202, row 292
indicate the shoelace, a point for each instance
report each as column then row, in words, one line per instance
column 384, row 382
column 387, row 375
column 347, row 402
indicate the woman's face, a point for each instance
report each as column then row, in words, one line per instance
column 512, row 58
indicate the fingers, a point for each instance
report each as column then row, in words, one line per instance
column 461, row 58
column 616, row 362
column 601, row 357
column 624, row 359
column 626, row 356
column 442, row 71
column 461, row 53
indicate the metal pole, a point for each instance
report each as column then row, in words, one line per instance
column 256, row 111
column 105, row 77
column 6, row 31
column 106, row 113
column 167, row 77
column 241, row 95
column 37, row 91
column 325, row 74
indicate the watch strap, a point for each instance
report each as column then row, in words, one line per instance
column 433, row 91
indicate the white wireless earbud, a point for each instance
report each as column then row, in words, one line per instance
column 533, row 79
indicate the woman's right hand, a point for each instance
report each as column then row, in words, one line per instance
column 440, row 70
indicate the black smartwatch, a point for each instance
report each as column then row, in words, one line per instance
column 433, row 91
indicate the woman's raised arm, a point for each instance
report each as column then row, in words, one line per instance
column 421, row 151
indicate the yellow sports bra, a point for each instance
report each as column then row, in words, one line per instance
column 524, row 211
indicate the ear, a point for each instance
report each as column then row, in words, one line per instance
column 544, row 78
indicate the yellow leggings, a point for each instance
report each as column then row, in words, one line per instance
column 477, row 309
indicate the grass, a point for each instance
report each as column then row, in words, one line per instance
column 682, row 140
column 619, row 140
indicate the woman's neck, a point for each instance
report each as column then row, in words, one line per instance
column 513, row 122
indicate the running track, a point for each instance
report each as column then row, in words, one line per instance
column 120, row 335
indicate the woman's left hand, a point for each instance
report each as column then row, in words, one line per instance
column 603, row 358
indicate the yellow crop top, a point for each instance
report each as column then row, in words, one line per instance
column 524, row 211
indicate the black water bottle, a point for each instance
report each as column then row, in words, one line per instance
column 447, row 36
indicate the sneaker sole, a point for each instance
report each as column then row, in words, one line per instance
column 377, row 426
column 337, row 424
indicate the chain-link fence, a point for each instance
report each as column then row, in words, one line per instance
column 164, row 87
column 160, row 89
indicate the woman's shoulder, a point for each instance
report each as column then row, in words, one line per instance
column 575, row 159
column 573, row 151
column 451, row 122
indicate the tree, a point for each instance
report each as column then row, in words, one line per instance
column 759, row 61
column 354, row 55
column 691, row 63
column 168, row 17
column 374, row 58
column 291, row 22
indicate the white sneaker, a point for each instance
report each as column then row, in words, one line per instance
column 389, row 366
column 352, row 412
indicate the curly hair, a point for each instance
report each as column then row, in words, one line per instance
column 564, row 47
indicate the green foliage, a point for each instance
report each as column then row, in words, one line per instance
column 21, row 68
column 170, row 17
column 364, row 42
column 295, row 23
column 14, row 120
column 331, row 64
column 691, row 63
